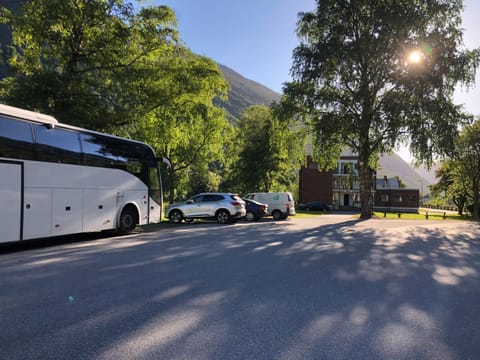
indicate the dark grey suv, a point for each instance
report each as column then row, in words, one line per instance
column 224, row 207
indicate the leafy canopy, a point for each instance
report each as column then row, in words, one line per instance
column 355, row 86
column 103, row 65
column 84, row 61
column 270, row 151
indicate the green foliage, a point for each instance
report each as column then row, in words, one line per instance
column 460, row 175
column 270, row 152
column 467, row 159
column 452, row 185
column 82, row 61
column 101, row 65
column 184, row 125
column 356, row 89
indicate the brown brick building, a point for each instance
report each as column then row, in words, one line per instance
column 390, row 197
column 340, row 188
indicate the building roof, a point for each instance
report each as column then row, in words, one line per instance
column 388, row 183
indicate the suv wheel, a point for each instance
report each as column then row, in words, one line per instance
column 222, row 216
column 175, row 217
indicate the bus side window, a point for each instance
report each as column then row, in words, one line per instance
column 97, row 150
column 57, row 145
column 16, row 139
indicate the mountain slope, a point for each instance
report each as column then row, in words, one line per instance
column 244, row 93
column 393, row 165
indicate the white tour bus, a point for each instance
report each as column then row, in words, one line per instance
column 57, row 179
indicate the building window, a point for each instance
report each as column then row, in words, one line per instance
column 411, row 198
column 397, row 198
column 384, row 198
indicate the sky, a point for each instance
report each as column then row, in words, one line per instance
column 256, row 38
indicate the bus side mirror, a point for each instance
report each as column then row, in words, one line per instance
column 165, row 161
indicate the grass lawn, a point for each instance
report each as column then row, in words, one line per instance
column 306, row 214
column 423, row 214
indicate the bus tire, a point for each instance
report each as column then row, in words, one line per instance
column 128, row 220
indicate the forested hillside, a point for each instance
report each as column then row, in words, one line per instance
column 244, row 93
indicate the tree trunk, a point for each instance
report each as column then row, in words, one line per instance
column 460, row 204
column 476, row 199
column 366, row 186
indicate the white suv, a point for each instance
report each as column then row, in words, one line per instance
column 224, row 207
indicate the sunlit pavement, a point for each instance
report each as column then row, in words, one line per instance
column 327, row 287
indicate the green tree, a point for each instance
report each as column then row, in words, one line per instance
column 467, row 159
column 85, row 61
column 452, row 184
column 356, row 88
column 460, row 174
column 99, row 64
column 184, row 124
column 270, row 151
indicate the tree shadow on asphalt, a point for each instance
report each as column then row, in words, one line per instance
column 352, row 289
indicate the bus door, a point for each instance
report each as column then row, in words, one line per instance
column 11, row 217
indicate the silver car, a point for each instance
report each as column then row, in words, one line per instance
column 224, row 207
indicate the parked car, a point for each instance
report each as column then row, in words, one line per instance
column 224, row 207
column 255, row 210
column 314, row 206
column 280, row 204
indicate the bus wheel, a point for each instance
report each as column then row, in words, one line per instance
column 128, row 220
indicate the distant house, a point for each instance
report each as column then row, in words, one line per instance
column 341, row 190
column 390, row 197
column 339, row 187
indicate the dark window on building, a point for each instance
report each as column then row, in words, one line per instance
column 57, row 145
column 412, row 198
column 384, row 198
column 16, row 139
column 397, row 198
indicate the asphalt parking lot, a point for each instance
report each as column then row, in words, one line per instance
column 326, row 287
